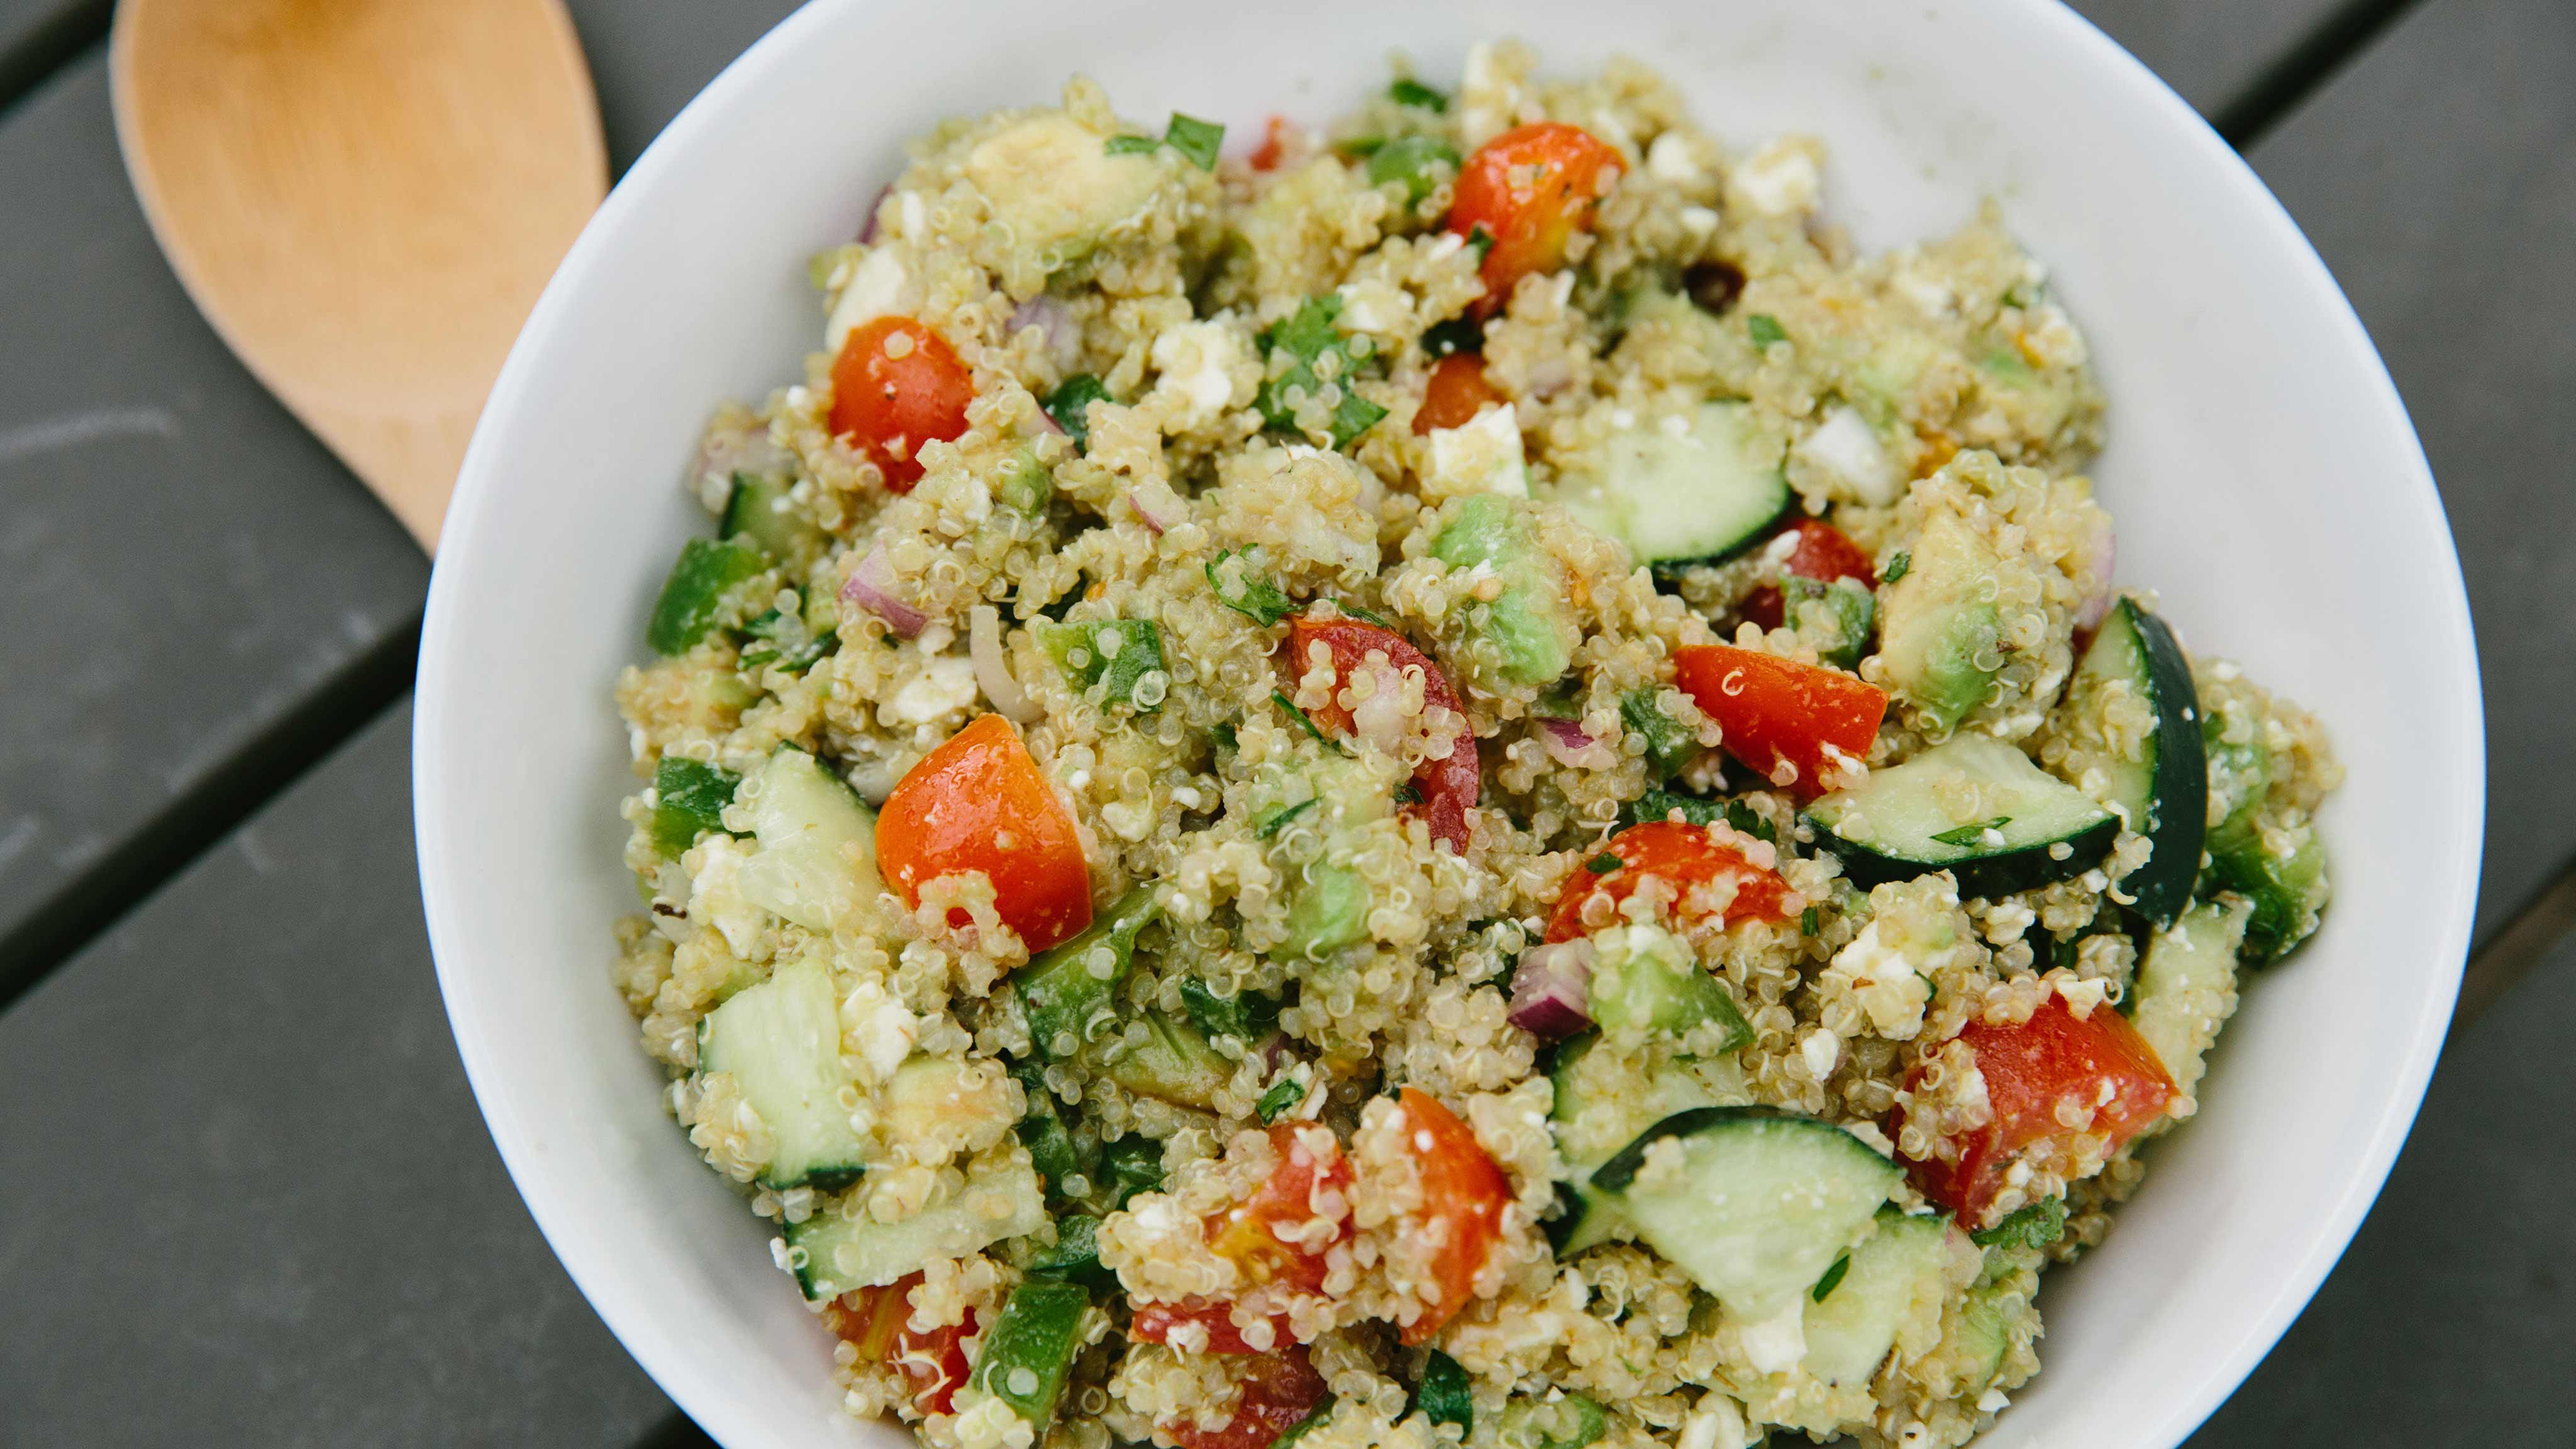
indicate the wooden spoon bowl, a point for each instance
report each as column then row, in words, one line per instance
column 364, row 197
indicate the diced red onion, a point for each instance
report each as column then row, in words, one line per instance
column 1158, row 518
column 1551, row 989
column 868, row 233
column 2105, row 561
column 872, row 587
column 1566, row 741
column 1047, row 315
column 992, row 670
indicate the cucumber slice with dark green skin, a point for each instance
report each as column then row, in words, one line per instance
column 1897, row 825
column 1762, row 1203
column 689, row 798
column 2186, row 986
column 780, row 1041
column 842, row 1247
column 693, row 596
column 1590, row 1126
column 1029, row 1351
column 1067, row 1000
column 1940, row 636
column 2164, row 795
column 1898, row 1267
column 1695, row 496
column 758, row 512
column 1646, row 982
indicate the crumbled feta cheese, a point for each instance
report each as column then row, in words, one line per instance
column 2006, row 921
column 1930, row 295
column 1882, row 981
column 1782, row 178
column 715, row 894
column 1487, row 96
column 945, row 686
column 1993, row 1401
column 1823, row 1051
column 1670, row 161
column 879, row 286
column 1449, row 245
column 1481, row 456
column 1370, row 306
column 2082, row 996
column 1196, row 361
column 1776, row 1344
column 1715, row 1424
column 1846, row 449
column 2051, row 338
column 916, row 217
column 886, row 1029
column 1699, row 221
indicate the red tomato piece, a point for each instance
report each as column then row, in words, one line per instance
column 895, row 386
column 1531, row 189
column 1274, row 145
column 1278, row 1391
column 1464, row 1195
column 876, row 1321
column 1822, row 553
column 1682, row 856
column 1455, row 393
column 979, row 802
column 1448, row 786
column 1312, row 1180
column 1156, row 1323
column 1814, row 721
column 2098, row 1062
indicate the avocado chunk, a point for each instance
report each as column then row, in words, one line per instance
column 1053, row 182
column 1942, row 639
column 1529, row 632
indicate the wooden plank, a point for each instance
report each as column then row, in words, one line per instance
column 181, row 564
column 2437, row 177
column 250, row 1200
column 2211, row 53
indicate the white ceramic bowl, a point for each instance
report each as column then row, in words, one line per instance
column 2262, row 470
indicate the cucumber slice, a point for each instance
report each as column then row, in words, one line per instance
column 781, row 1043
column 1646, row 982
column 2027, row 827
column 1598, row 1109
column 1068, row 990
column 1758, row 1205
column 2162, row 791
column 693, row 595
column 759, row 513
column 2186, row 986
column 1532, row 631
column 1029, row 1351
column 1941, row 640
column 1895, row 1273
column 817, row 858
column 1692, row 497
column 2281, row 871
column 689, row 798
column 841, row 1248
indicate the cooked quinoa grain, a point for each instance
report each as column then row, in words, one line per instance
column 1461, row 783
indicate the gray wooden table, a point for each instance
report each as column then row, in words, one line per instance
column 244, row 1194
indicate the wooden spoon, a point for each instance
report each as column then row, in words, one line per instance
column 364, row 197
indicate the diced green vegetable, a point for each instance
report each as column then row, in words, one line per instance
column 1659, row 804
column 688, row 800
column 1248, row 593
column 1647, row 983
column 1067, row 990
column 1131, row 146
column 1031, row 1347
column 1410, row 92
column 1304, row 1426
column 693, row 596
column 2036, row 1226
column 1174, row 1063
column 1075, row 1257
column 1279, row 1101
column 1851, row 608
column 1132, row 1165
column 781, row 1043
column 759, row 511
column 1054, row 1151
column 1281, row 699
column 1070, row 406
column 1669, row 746
column 1529, row 623
column 1444, row 1396
column 1941, row 641
column 1114, row 656
column 1418, row 162
column 1246, row 1016
column 1764, row 329
column 1327, row 913
column 783, row 638
column 1318, row 353
column 1571, row 1422
column 1603, row 864
column 2287, row 886
column 1196, row 139
column 1745, row 818
column 1028, row 486
column 1897, row 565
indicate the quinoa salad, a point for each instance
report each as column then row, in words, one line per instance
column 1448, row 777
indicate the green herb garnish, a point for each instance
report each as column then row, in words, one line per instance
column 1807, row 921
column 1479, row 241
column 1277, row 820
column 1132, row 1165
column 1896, row 567
column 1131, row 145
column 1458, row 334
column 1416, row 161
column 1365, row 615
column 1443, row 1396
column 1070, row 406
column 1764, row 329
column 1410, row 92
column 688, row 800
column 1972, row 832
column 1833, row 1278
column 1318, row 354
column 1247, row 1015
column 1279, row 1101
column 1112, row 655
column 1255, row 598
column 1669, row 745
column 1195, row 139
column 2037, row 1227
column 1749, row 820
column 1280, row 698
column 1604, row 863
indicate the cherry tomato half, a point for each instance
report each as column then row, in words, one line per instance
column 1454, row 394
column 1312, row 1181
column 1530, row 189
column 1448, row 786
column 1463, row 1197
column 1817, row 722
column 979, row 802
column 1822, row 553
column 895, row 386
column 1277, row 1391
column 2098, row 1063
column 877, row 1322
column 1160, row 1322
column 1685, row 858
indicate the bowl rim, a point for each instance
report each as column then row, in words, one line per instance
column 2452, row 893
